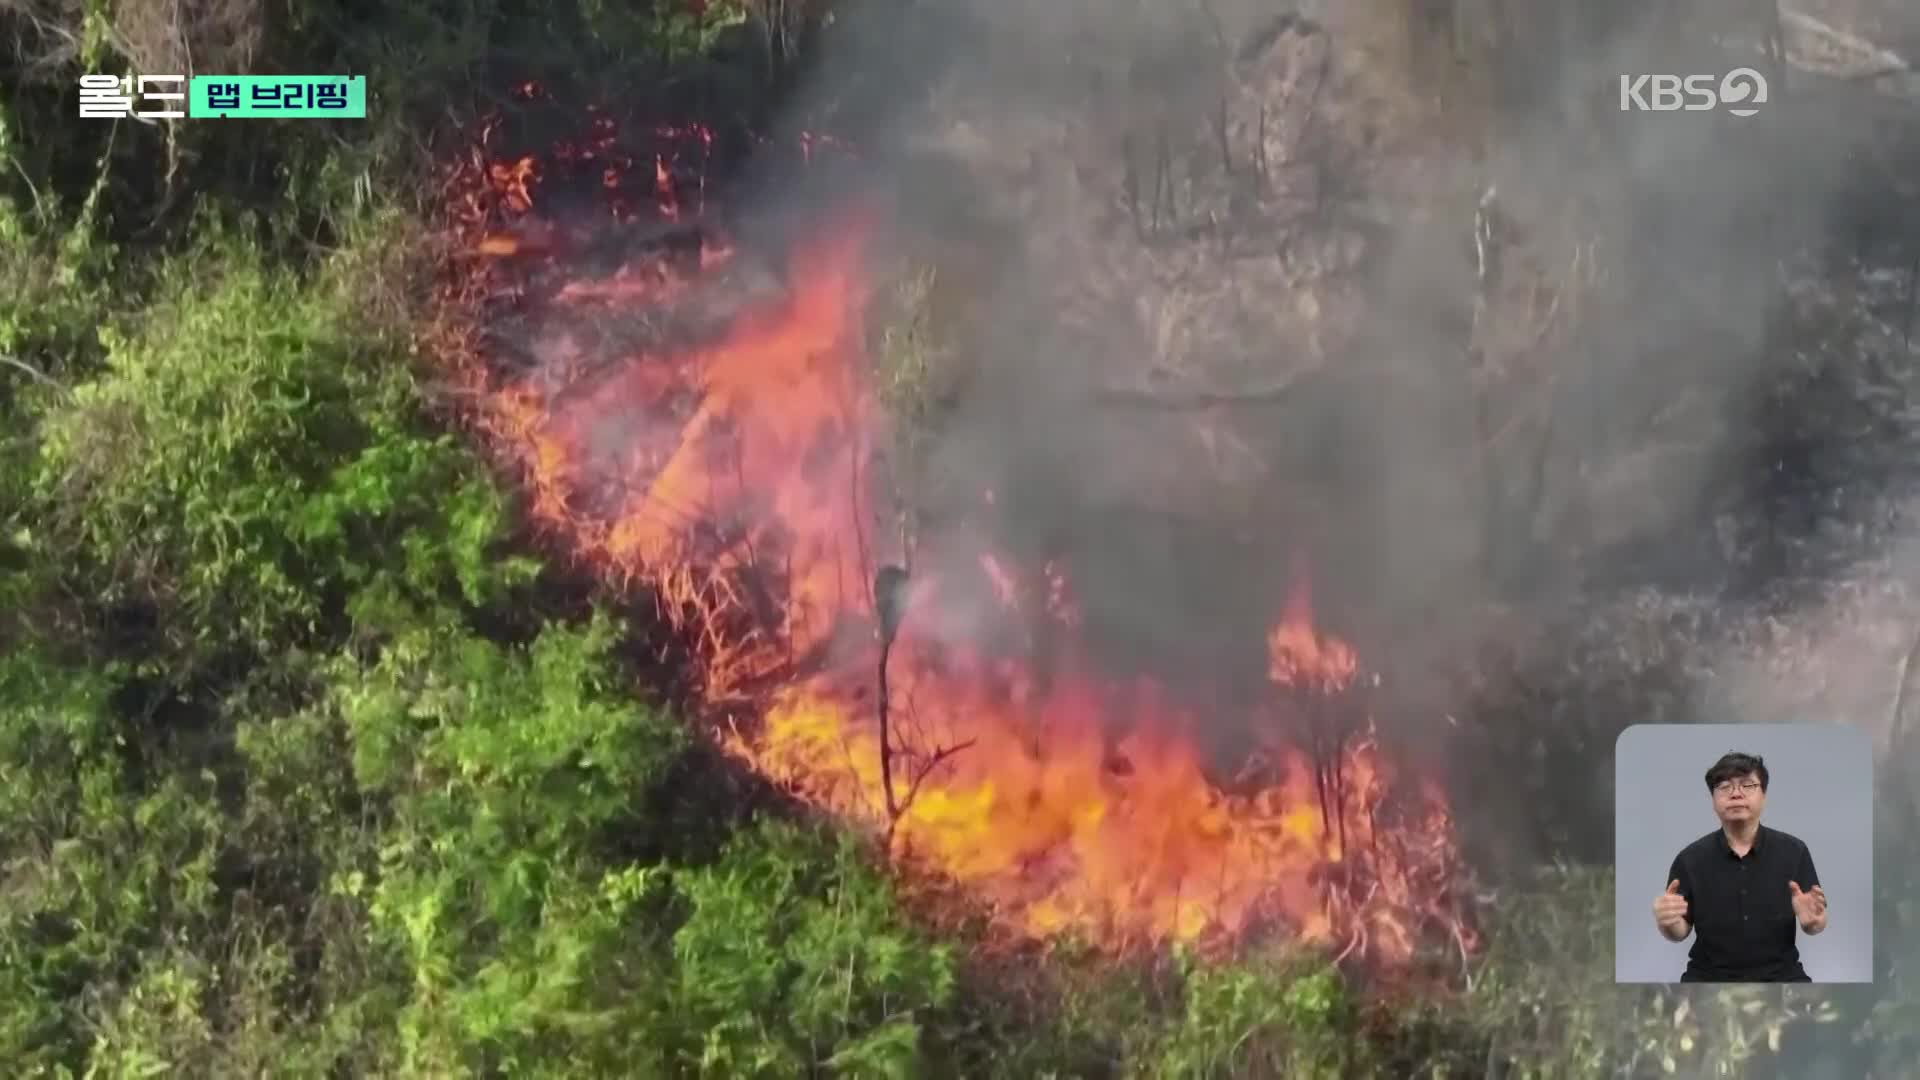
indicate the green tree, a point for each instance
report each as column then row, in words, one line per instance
column 794, row 958
column 251, row 461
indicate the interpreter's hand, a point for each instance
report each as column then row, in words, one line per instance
column 1810, row 907
column 1670, row 910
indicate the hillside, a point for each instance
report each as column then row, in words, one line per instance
column 888, row 538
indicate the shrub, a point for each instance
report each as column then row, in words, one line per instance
column 794, row 959
column 249, row 461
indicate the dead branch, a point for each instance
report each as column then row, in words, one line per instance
column 37, row 375
column 886, row 742
column 59, row 24
column 934, row 761
column 889, row 599
column 889, row 603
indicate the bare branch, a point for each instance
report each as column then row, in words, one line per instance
column 939, row 757
column 886, row 743
column 58, row 22
column 36, row 373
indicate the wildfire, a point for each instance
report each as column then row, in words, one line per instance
column 731, row 477
column 1300, row 657
column 1085, row 805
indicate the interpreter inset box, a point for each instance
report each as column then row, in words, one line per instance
column 1743, row 853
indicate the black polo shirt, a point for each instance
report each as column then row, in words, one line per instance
column 1741, row 908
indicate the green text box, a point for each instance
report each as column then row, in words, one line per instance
column 251, row 97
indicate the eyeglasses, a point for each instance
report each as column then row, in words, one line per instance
column 1728, row 787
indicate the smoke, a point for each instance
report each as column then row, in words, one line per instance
column 1079, row 172
column 1212, row 198
column 1678, row 388
column 1027, row 151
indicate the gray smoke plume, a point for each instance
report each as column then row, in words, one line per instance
column 1394, row 287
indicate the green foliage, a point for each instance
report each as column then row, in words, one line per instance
column 1567, row 1018
column 246, row 463
column 1100, row 1013
column 1267, row 1017
column 55, row 280
column 794, row 958
column 301, row 824
column 507, row 777
column 515, row 751
column 322, row 824
column 422, row 56
column 54, row 274
column 682, row 31
column 98, row 866
column 156, row 1026
column 504, row 772
column 1277, row 1011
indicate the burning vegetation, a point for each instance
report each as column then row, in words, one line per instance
column 1236, row 470
column 708, row 435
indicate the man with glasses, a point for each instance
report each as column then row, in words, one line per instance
column 1742, row 888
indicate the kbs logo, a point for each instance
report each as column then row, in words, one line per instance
column 1738, row 91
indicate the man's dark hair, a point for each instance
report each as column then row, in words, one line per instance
column 1735, row 765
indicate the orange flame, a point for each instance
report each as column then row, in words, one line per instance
column 1061, row 825
column 512, row 182
column 1299, row 657
column 498, row 244
column 732, row 478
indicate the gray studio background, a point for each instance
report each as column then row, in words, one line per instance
column 1820, row 789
